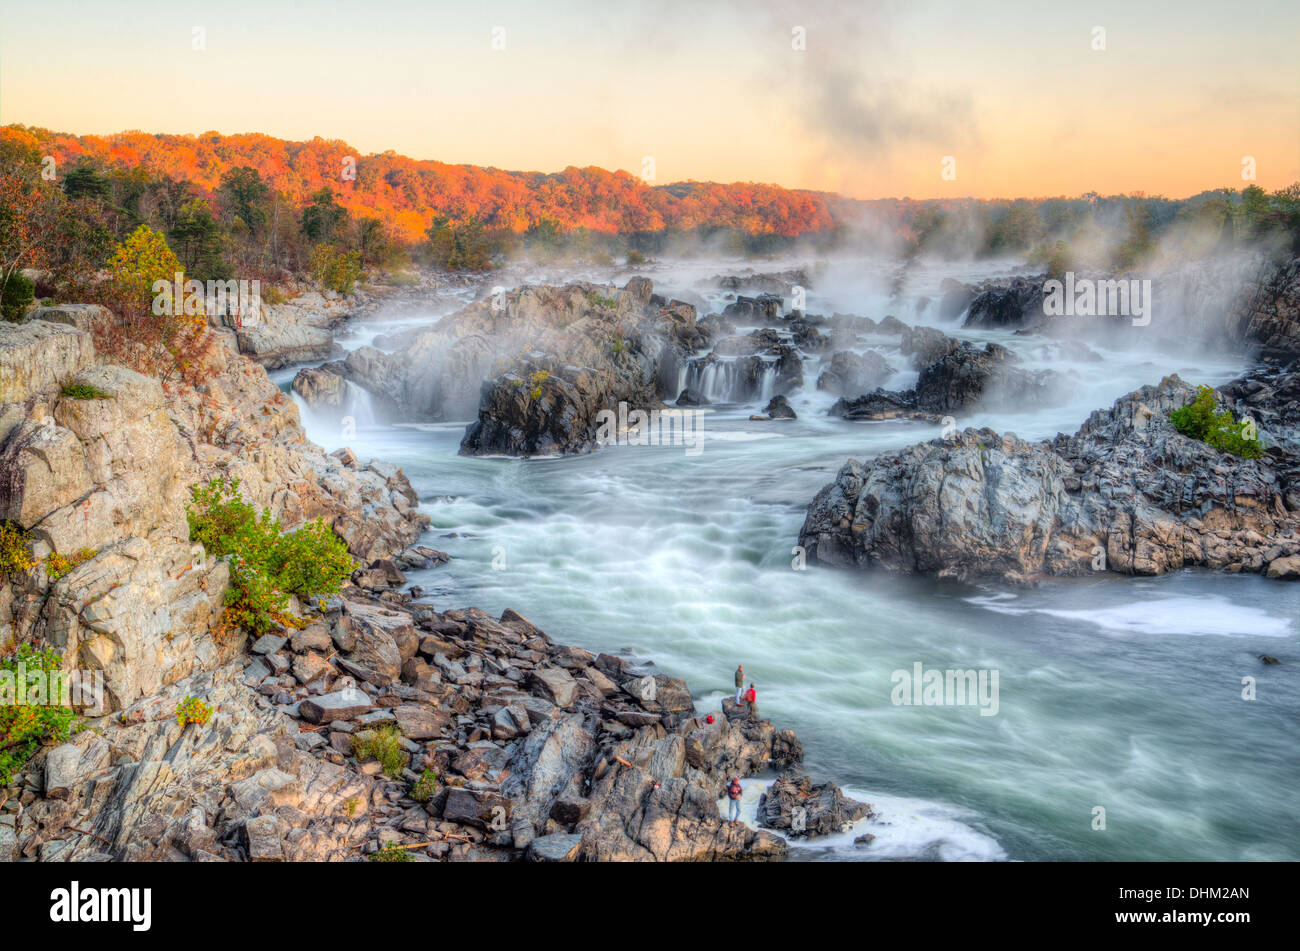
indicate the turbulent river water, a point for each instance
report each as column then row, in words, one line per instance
column 1113, row 692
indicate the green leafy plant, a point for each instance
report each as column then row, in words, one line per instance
column 83, row 391
column 24, row 728
column 425, row 787
column 392, row 852
column 598, row 300
column 1198, row 420
column 15, row 294
column 193, row 710
column 56, row 565
column 334, row 269
column 267, row 565
column 384, row 745
column 15, row 551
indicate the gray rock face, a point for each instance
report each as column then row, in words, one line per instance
column 1127, row 493
column 1267, row 311
column 343, row 704
column 1007, row 305
column 36, row 356
column 795, row 806
column 853, row 374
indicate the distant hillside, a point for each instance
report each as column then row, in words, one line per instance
column 408, row 194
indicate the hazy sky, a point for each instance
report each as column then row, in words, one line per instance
column 1013, row 91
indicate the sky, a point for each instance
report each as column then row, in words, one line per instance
column 870, row 99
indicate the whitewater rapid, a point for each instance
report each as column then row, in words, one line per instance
column 1115, row 693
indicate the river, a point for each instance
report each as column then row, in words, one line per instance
column 1114, row 693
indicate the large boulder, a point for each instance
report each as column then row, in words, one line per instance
column 1126, row 493
column 796, row 807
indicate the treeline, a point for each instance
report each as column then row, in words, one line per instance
column 1117, row 232
column 407, row 195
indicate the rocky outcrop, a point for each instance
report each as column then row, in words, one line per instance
column 291, row 332
column 797, row 807
column 109, row 475
column 37, row 356
column 591, row 348
column 1267, row 312
column 540, row 751
column 1126, row 493
column 779, row 407
column 970, row 376
column 1007, row 305
column 852, row 374
column 627, row 338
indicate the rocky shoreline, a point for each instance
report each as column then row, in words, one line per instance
column 376, row 726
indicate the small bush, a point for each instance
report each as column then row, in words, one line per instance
column 1198, row 420
column 193, row 710
column 25, row 728
column 83, row 391
column 635, row 257
column 273, row 295
column 56, row 565
column 267, row 565
column 334, row 269
column 15, row 551
column 16, row 294
column 425, row 787
column 598, row 300
column 392, row 852
column 384, row 745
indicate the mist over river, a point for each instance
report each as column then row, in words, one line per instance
column 1114, row 692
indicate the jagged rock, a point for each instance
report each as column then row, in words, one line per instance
column 71, row 764
column 556, row 684
column 342, row 704
column 779, row 408
column 852, row 374
column 556, row 847
column 794, row 805
column 1013, row 304
column 1126, row 493
column 37, row 356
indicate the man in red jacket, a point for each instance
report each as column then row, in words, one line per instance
column 751, row 695
column 734, row 792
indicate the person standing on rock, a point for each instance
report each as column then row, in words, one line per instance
column 734, row 792
column 751, row 695
column 740, row 681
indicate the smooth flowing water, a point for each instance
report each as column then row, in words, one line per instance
column 1119, row 693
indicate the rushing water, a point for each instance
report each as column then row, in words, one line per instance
column 1114, row 692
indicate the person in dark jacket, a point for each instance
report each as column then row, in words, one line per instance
column 740, row 681
column 734, row 792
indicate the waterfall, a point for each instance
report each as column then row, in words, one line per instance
column 358, row 404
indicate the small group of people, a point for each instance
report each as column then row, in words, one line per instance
column 750, row 696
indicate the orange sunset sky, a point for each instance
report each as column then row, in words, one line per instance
column 870, row 105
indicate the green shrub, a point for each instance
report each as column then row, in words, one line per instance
column 1198, row 420
column 635, row 257
column 193, row 710
column 24, row 728
column 56, row 565
column 17, row 293
column 335, row 269
column 267, row 565
column 392, row 852
column 15, row 551
column 425, row 786
column 384, row 745
column 83, row 391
